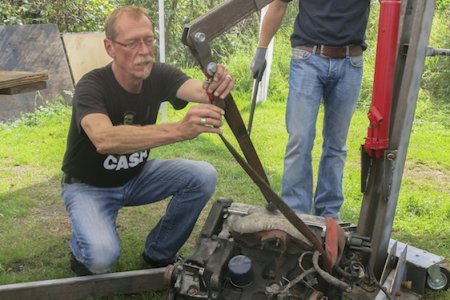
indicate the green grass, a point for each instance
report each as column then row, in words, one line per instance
column 34, row 227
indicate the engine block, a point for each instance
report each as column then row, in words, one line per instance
column 249, row 252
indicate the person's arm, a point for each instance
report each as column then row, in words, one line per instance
column 194, row 90
column 272, row 22
column 270, row 25
column 128, row 138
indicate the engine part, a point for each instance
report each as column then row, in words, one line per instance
column 249, row 252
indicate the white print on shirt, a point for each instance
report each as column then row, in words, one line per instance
column 119, row 162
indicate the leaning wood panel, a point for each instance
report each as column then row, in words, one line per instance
column 33, row 48
column 85, row 51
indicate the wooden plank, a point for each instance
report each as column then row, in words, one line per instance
column 85, row 51
column 24, row 88
column 33, row 48
column 119, row 283
column 15, row 78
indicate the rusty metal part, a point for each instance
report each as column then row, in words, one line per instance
column 196, row 36
column 221, row 18
column 198, row 44
column 334, row 244
column 274, row 239
column 253, row 106
column 236, row 124
column 316, row 295
column 274, row 198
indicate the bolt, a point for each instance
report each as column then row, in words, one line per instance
column 391, row 156
column 211, row 68
column 192, row 291
column 199, row 37
column 407, row 284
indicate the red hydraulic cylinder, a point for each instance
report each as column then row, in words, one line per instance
column 379, row 115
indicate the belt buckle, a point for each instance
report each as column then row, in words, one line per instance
column 347, row 51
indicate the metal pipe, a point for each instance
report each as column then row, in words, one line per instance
column 328, row 277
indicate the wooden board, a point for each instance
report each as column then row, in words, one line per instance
column 15, row 82
column 33, row 48
column 85, row 52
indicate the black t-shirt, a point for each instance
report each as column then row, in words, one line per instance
column 99, row 92
column 331, row 22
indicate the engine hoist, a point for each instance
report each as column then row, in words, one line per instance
column 270, row 252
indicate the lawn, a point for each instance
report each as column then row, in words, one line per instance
column 34, row 227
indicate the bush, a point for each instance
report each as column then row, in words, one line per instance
column 70, row 16
column 443, row 4
column 238, row 45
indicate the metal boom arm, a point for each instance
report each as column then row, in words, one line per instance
column 196, row 36
column 221, row 18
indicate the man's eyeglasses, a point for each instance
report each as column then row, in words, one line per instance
column 148, row 42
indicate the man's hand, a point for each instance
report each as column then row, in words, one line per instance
column 220, row 84
column 259, row 63
column 201, row 118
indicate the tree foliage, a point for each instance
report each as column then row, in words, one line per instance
column 69, row 15
column 82, row 15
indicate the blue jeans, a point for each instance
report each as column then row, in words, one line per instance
column 337, row 82
column 93, row 210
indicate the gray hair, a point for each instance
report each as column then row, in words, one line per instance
column 137, row 11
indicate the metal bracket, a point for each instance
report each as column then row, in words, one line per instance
column 407, row 270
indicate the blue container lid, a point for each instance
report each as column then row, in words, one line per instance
column 240, row 270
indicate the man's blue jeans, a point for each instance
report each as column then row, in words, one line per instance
column 337, row 82
column 93, row 210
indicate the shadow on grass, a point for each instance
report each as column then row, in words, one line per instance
column 35, row 230
column 34, row 238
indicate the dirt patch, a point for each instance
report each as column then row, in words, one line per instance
column 54, row 219
column 421, row 172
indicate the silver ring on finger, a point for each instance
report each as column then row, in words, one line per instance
column 202, row 121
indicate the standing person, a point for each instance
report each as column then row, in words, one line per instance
column 106, row 165
column 326, row 63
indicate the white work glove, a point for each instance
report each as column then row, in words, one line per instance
column 259, row 63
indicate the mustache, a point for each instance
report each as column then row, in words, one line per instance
column 143, row 60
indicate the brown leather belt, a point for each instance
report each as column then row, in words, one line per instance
column 333, row 51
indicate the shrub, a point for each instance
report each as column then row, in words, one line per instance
column 70, row 16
